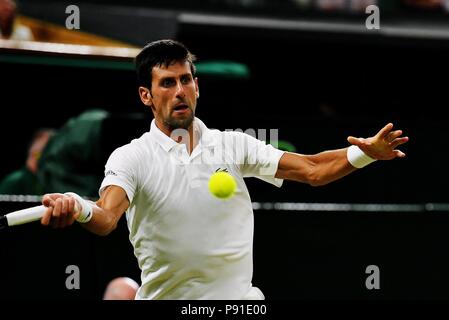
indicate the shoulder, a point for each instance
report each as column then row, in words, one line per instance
column 215, row 134
column 241, row 137
column 134, row 151
column 232, row 139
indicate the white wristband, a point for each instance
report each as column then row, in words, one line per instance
column 86, row 210
column 358, row 158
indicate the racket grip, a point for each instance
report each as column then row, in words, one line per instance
column 25, row 215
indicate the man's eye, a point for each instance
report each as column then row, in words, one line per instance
column 185, row 80
column 167, row 82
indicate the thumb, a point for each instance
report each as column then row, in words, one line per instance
column 47, row 201
column 354, row 141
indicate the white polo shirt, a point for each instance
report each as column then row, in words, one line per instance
column 189, row 244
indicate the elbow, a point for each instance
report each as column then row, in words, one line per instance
column 103, row 233
column 316, row 180
column 106, row 231
column 316, row 183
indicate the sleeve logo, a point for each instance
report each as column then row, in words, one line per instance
column 110, row 173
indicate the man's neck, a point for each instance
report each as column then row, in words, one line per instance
column 190, row 140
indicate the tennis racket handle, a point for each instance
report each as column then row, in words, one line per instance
column 25, row 215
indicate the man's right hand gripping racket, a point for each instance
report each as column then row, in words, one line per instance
column 22, row 216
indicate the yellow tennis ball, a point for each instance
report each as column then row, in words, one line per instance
column 222, row 185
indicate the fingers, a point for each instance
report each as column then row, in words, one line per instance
column 393, row 135
column 65, row 214
column 383, row 145
column 398, row 142
column 45, row 220
column 65, row 206
column 48, row 199
column 399, row 153
column 60, row 212
column 71, row 210
column 66, row 218
column 385, row 130
column 56, row 213
column 71, row 204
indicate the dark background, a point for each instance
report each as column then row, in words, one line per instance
column 316, row 88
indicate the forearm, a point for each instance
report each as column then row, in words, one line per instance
column 316, row 170
column 102, row 222
column 106, row 212
column 330, row 166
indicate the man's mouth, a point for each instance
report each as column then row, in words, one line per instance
column 181, row 108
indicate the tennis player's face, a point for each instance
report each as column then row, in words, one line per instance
column 173, row 96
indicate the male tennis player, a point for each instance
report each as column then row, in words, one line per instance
column 190, row 245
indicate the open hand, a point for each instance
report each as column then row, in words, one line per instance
column 383, row 145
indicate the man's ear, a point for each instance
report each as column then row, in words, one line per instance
column 145, row 96
column 197, row 88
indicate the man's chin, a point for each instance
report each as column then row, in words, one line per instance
column 181, row 121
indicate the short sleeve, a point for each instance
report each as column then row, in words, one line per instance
column 260, row 160
column 120, row 171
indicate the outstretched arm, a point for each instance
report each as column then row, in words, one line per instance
column 63, row 210
column 328, row 166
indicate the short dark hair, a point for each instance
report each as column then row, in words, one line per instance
column 161, row 53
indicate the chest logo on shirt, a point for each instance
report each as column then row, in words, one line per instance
column 222, row 170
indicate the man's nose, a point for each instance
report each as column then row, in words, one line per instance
column 180, row 90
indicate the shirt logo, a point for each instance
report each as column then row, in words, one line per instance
column 109, row 173
column 222, row 170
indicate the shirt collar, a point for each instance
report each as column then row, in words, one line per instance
column 168, row 143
